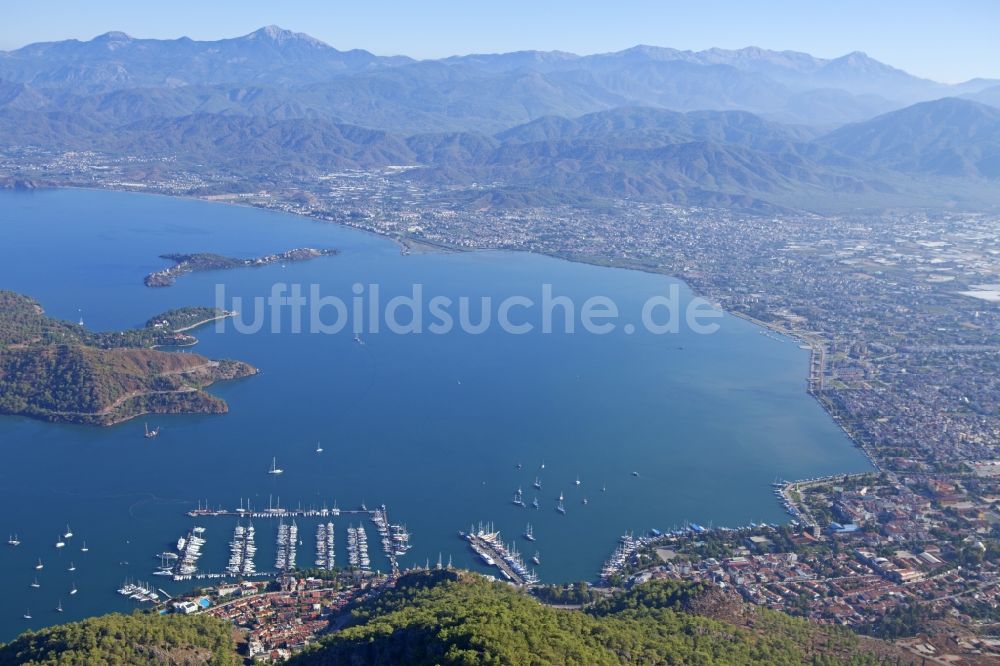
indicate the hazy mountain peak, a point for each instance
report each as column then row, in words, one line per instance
column 113, row 37
column 280, row 36
column 655, row 52
column 860, row 61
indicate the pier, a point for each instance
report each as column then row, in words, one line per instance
column 274, row 513
column 491, row 550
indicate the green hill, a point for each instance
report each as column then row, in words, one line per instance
column 126, row 639
column 450, row 619
column 59, row 371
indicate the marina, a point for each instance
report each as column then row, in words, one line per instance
column 325, row 553
column 357, row 548
column 242, row 551
column 395, row 538
column 627, row 547
column 486, row 543
column 127, row 496
column 287, row 543
column 189, row 552
column 138, row 591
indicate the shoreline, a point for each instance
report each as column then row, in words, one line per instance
column 224, row 315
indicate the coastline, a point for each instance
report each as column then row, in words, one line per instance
column 403, row 241
column 224, row 315
column 189, row 327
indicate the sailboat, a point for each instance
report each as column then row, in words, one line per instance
column 577, row 479
column 604, row 488
column 60, row 543
column 73, row 590
column 39, row 565
column 59, row 608
column 319, row 448
column 84, row 549
column 13, row 540
column 537, row 484
column 274, row 467
column 529, row 533
column 535, row 558
column 35, row 584
column 27, row 615
column 561, row 508
column 69, row 532
column 534, row 502
column 150, row 434
column 518, row 498
column 72, row 567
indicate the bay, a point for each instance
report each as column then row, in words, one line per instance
column 433, row 426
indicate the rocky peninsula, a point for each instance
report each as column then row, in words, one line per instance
column 207, row 261
column 59, row 371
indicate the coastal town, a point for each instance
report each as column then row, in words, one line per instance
column 894, row 556
column 900, row 310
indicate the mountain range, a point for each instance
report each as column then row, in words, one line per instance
column 648, row 122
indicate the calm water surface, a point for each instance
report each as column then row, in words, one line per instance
column 433, row 426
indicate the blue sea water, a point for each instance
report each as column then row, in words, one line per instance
column 434, row 426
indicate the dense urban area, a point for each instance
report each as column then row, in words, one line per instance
column 901, row 311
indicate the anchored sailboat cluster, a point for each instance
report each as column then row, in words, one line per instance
column 61, row 542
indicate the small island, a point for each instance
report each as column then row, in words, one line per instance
column 207, row 261
column 59, row 371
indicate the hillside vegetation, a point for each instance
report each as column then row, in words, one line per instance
column 59, row 371
column 449, row 618
column 126, row 639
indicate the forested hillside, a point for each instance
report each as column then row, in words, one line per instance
column 452, row 618
column 59, row 371
column 116, row 639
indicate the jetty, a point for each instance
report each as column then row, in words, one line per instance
column 491, row 550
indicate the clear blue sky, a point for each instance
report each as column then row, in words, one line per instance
column 943, row 40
